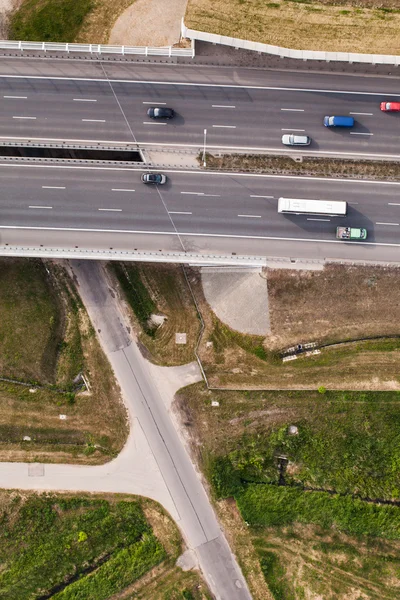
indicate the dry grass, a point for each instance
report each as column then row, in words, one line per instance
column 303, row 25
column 335, row 304
column 99, row 22
column 169, row 583
column 330, row 565
column 339, row 303
column 96, row 426
column 240, row 540
column 169, row 292
column 321, row 167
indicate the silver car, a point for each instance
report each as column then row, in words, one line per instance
column 154, row 178
column 291, row 139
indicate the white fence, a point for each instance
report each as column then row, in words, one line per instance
column 348, row 57
column 96, row 48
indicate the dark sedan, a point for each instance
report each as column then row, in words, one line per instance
column 160, row 112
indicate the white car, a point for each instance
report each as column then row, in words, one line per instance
column 291, row 139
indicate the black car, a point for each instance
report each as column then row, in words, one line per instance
column 154, row 178
column 160, row 112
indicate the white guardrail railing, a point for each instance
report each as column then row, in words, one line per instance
column 96, row 48
column 349, row 57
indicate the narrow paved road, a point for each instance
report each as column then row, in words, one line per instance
column 154, row 461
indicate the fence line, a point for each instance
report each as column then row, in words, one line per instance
column 96, row 48
column 349, row 57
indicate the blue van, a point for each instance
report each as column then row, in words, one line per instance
column 338, row 121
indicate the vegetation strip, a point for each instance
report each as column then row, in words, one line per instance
column 286, row 506
column 308, row 166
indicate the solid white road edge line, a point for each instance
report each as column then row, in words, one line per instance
column 189, row 234
column 197, row 84
column 207, row 173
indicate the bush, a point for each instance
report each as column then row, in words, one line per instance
column 224, row 478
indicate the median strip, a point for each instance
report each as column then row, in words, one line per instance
column 365, row 171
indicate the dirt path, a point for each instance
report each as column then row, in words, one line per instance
column 149, row 23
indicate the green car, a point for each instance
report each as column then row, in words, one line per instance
column 351, row 233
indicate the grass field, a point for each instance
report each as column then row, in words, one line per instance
column 299, row 561
column 304, row 543
column 352, row 26
column 92, row 547
column 335, row 304
column 160, row 290
column 46, row 339
column 304, row 307
column 83, row 21
column 32, row 321
column 321, row 167
column 346, row 442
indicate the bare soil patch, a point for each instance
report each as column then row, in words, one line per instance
column 303, row 24
column 148, row 23
column 98, row 24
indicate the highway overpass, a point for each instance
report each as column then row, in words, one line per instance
column 81, row 208
column 86, row 210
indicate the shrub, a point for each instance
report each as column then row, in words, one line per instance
column 267, row 506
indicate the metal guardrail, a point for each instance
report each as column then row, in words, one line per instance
column 96, row 48
column 349, row 57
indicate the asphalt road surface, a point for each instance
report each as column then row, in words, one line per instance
column 244, row 108
column 114, row 201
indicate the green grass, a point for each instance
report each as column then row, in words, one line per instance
column 136, row 294
column 270, row 506
column 49, row 20
column 275, row 575
column 73, row 547
column 31, row 323
column 223, row 337
column 348, row 442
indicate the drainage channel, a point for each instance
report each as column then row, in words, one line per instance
column 50, row 152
